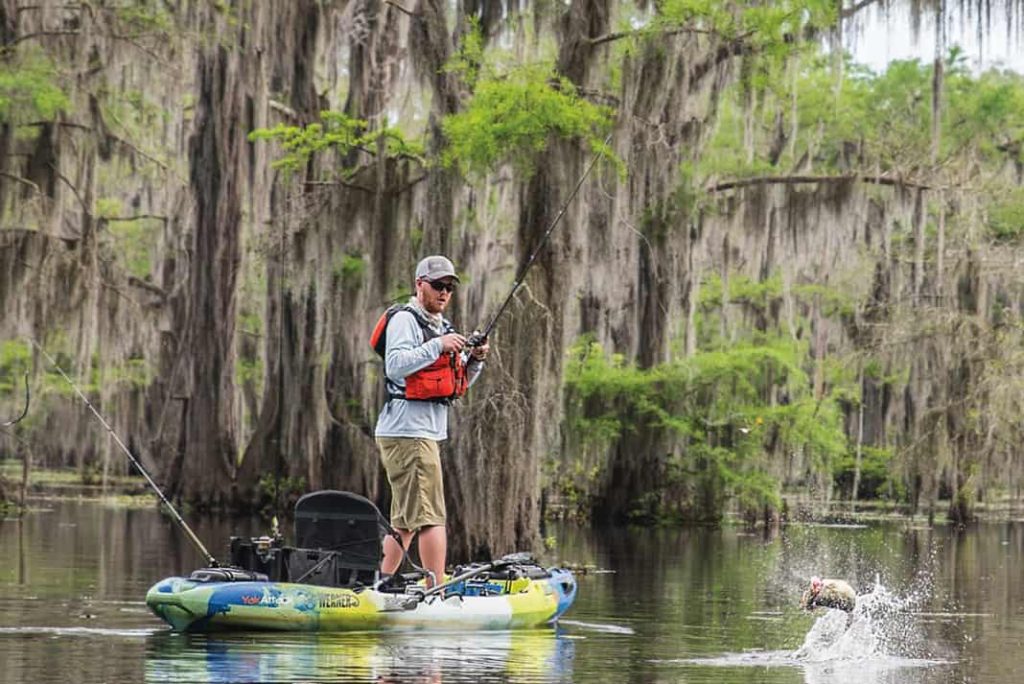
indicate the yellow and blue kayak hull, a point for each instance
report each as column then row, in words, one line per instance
column 191, row 606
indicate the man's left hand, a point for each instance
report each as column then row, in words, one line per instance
column 480, row 351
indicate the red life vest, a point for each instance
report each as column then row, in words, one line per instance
column 442, row 381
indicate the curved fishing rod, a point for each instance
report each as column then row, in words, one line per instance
column 24, row 412
column 174, row 513
column 479, row 337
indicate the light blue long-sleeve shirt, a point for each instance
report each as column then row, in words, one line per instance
column 406, row 353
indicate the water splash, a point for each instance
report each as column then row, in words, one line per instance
column 881, row 638
column 881, row 626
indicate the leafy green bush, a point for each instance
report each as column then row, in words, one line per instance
column 719, row 410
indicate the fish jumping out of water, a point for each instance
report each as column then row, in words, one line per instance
column 829, row 593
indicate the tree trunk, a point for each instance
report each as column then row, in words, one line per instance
column 216, row 156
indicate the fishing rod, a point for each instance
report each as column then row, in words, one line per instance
column 174, row 513
column 478, row 338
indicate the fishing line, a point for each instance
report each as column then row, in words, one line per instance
column 478, row 338
column 174, row 513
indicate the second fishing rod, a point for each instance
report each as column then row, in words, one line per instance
column 138, row 465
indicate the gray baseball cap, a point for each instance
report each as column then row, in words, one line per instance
column 435, row 267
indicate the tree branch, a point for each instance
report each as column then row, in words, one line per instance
column 355, row 186
column 410, row 184
column 71, row 185
column 33, row 8
column 343, row 183
column 133, row 41
column 24, row 181
column 119, row 141
column 150, row 287
column 37, row 34
column 284, row 109
column 599, row 97
column 400, row 8
column 619, row 35
column 724, row 52
column 136, row 217
column 848, row 12
column 794, row 180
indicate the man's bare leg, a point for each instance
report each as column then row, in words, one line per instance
column 393, row 552
column 433, row 544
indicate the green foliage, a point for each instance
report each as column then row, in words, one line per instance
column 136, row 373
column 762, row 296
column 134, row 240
column 337, row 132
column 865, row 120
column 107, row 207
column 249, row 371
column 250, row 322
column 834, row 301
column 144, row 18
column 15, row 356
column 514, row 117
column 741, row 289
column 469, row 56
column 279, row 493
column 776, row 22
column 983, row 112
column 29, row 89
column 136, row 116
column 1006, row 217
column 878, row 478
column 719, row 407
column 350, row 269
column 15, row 361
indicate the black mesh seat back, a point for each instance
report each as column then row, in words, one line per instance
column 341, row 521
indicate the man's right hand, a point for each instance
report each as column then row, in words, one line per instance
column 452, row 342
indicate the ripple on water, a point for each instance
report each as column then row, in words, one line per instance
column 79, row 631
column 597, row 627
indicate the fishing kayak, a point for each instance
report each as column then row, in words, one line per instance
column 188, row 605
column 329, row 581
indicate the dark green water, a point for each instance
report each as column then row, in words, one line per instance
column 680, row 606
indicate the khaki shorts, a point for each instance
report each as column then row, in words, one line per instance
column 413, row 466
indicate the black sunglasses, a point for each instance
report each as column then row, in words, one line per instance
column 439, row 286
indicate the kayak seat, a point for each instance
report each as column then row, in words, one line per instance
column 338, row 539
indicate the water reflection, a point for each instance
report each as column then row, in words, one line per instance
column 527, row 656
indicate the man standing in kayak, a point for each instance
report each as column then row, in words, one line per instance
column 425, row 365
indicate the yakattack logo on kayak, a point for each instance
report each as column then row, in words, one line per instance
column 339, row 601
column 263, row 597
